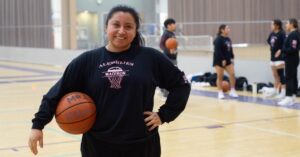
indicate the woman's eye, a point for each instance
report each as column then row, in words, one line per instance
column 128, row 27
column 115, row 24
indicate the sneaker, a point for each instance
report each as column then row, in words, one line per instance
column 270, row 94
column 221, row 95
column 287, row 101
column 280, row 96
column 233, row 94
column 294, row 97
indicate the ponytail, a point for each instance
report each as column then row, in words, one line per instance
column 221, row 27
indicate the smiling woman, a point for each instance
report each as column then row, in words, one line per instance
column 122, row 25
column 121, row 30
column 121, row 78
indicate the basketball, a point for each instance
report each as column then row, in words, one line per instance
column 225, row 86
column 75, row 113
column 171, row 43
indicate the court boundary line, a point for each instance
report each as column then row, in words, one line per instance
column 244, row 99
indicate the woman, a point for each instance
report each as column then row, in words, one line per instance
column 291, row 50
column 223, row 60
column 125, row 123
column 275, row 40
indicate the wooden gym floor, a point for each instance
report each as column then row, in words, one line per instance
column 246, row 127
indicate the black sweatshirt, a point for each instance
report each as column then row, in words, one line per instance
column 291, row 46
column 122, row 86
column 166, row 35
column 223, row 49
column 275, row 40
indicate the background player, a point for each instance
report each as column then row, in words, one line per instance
column 275, row 40
column 291, row 48
column 170, row 28
column 223, row 60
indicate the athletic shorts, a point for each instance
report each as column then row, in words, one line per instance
column 276, row 63
column 219, row 63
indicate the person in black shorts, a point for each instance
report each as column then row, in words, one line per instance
column 275, row 40
column 121, row 78
column 290, row 49
column 223, row 60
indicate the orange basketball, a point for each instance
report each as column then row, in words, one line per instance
column 75, row 113
column 171, row 43
column 225, row 86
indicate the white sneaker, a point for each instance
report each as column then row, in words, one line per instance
column 233, row 94
column 294, row 98
column 221, row 95
column 280, row 96
column 287, row 101
column 269, row 94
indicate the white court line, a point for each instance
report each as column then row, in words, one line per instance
column 245, row 126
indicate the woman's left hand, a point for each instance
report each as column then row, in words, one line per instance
column 277, row 54
column 152, row 120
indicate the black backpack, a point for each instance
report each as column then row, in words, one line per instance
column 201, row 78
column 239, row 83
column 212, row 79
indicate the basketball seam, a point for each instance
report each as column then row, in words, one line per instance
column 78, row 120
column 71, row 107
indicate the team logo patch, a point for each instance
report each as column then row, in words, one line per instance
column 294, row 44
column 273, row 40
column 228, row 44
column 115, row 76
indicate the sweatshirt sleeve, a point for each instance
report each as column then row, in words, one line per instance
column 292, row 45
column 71, row 80
column 269, row 39
column 219, row 49
column 162, row 42
column 281, row 40
column 174, row 80
column 231, row 51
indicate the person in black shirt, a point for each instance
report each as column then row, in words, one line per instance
column 170, row 28
column 275, row 40
column 223, row 60
column 290, row 49
column 121, row 78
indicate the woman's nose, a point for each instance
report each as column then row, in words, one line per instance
column 122, row 30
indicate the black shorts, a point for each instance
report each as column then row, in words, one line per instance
column 91, row 147
column 219, row 62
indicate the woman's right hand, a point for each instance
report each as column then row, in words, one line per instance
column 34, row 137
column 224, row 63
column 173, row 51
column 277, row 54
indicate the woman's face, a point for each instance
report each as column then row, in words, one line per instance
column 288, row 26
column 120, row 30
column 226, row 30
column 273, row 26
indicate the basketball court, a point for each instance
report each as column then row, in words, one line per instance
column 248, row 126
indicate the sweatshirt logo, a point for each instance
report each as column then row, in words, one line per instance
column 294, row 44
column 273, row 40
column 228, row 45
column 115, row 76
